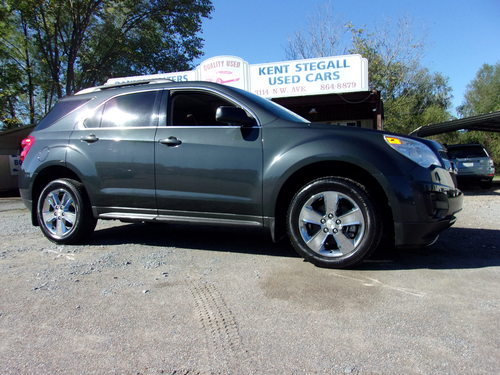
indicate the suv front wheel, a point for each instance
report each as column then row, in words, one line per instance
column 333, row 223
column 63, row 213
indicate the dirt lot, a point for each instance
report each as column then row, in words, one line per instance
column 154, row 299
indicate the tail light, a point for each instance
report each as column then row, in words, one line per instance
column 491, row 167
column 26, row 144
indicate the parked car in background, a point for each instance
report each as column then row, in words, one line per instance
column 204, row 153
column 473, row 163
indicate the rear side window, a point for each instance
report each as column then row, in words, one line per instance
column 467, row 152
column 131, row 110
column 60, row 110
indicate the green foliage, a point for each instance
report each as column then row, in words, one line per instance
column 483, row 93
column 131, row 39
column 412, row 95
column 482, row 96
column 11, row 123
column 10, row 72
column 59, row 47
column 11, row 89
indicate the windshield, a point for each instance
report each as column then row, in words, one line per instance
column 275, row 109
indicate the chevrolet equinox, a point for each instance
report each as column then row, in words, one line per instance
column 200, row 152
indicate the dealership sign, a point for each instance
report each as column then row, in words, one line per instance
column 326, row 75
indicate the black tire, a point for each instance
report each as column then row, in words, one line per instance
column 315, row 227
column 64, row 213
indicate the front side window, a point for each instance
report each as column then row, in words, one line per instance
column 131, row 110
column 195, row 108
column 276, row 109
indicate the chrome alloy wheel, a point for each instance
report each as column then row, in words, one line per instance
column 331, row 224
column 59, row 213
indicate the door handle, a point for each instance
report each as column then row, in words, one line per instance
column 170, row 141
column 91, row 138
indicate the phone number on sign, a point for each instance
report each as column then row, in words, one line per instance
column 338, row 86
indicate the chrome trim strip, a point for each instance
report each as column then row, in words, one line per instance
column 209, row 127
column 207, row 220
column 252, row 221
column 125, row 210
column 130, row 216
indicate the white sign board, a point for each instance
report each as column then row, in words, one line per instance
column 14, row 164
column 310, row 77
column 189, row 75
column 226, row 70
column 325, row 75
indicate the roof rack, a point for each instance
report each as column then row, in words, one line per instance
column 123, row 82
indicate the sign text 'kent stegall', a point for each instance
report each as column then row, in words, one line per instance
column 324, row 75
column 310, row 77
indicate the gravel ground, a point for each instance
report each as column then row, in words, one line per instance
column 168, row 299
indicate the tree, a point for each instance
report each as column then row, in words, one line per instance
column 412, row 95
column 325, row 35
column 143, row 37
column 483, row 93
column 60, row 47
column 15, row 66
column 482, row 96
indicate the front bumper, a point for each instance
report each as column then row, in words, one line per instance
column 441, row 204
column 420, row 234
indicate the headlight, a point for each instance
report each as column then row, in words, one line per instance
column 413, row 150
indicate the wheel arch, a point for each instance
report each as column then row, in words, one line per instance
column 43, row 177
column 317, row 170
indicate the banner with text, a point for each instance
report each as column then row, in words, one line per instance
column 226, row 70
column 325, row 75
column 310, row 77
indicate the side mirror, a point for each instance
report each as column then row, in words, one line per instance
column 233, row 116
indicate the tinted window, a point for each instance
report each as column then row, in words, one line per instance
column 60, row 110
column 194, row 108
column 94, row 121
column 126, row 111
column 466, row 152
column 274, row 108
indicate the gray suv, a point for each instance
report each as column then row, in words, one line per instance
column 472, row 163
column 203, row 153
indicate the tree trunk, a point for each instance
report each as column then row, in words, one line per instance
column 29, row 73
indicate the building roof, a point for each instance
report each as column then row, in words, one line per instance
column 488, row 122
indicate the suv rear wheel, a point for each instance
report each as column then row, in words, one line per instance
column 333, row 223
column 63, row 213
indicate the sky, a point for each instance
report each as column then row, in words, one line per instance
column 459, row 36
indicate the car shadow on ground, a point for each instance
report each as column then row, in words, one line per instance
column 469, row 188
column 198, row 237
column 457, row 248
column 9, row 193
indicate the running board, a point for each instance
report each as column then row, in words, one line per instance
column 253, row 222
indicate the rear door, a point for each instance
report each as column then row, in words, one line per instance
column 113, row 149
column 204, row 168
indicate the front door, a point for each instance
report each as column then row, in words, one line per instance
column 204, row 168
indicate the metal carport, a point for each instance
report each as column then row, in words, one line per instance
column 488, row 122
